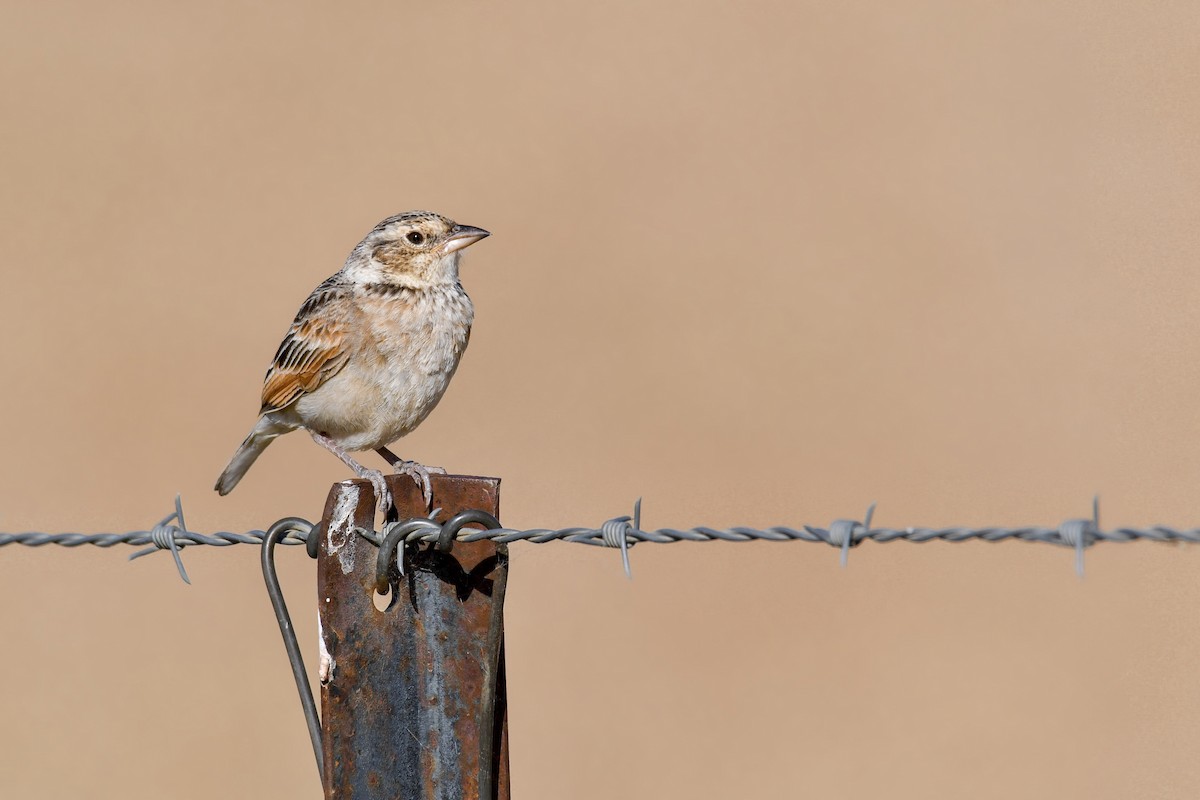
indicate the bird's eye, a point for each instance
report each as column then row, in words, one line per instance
column 416, row 237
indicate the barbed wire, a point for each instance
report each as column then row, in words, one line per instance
column 171, row 533
column 164, row 536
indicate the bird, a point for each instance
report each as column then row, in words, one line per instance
column 371, row 351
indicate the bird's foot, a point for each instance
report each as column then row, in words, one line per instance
column 420, row 473
column 383, row 495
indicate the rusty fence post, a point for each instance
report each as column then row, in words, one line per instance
column 412, row 697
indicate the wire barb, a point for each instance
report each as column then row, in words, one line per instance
column 847, row 533
column 163, row 536
column 616, row 533
column 1081, row 533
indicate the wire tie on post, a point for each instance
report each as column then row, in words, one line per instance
column 312, row 541
column 396, row 535
column 163, row 537
column 846, row 533
column 274, row 535
column 616, row 534
column 1081, row 533
column 393, row 536
column 472, row 516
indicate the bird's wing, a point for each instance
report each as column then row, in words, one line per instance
column 315, row 347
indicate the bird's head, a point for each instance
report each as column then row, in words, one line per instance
column 416, row 249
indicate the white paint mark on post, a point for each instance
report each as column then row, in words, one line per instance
column 325, row 670
column 340, row 533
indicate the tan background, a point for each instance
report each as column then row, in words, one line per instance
column 761, row 263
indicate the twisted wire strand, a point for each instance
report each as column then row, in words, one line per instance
column 596, row 536
column 660, row 536
column 181, row 537
column 624, row 532
column 808, row 533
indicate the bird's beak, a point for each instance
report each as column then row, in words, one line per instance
column 463, row 236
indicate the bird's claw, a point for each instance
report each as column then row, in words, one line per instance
column 383, row 496
column 420, row 474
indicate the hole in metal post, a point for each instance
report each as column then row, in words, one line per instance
column 382, row 601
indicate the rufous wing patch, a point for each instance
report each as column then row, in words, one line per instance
column 313, row 350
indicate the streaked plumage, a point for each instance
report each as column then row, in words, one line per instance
column 372, row 349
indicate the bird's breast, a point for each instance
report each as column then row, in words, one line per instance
column 418, row 334
column 411, row 346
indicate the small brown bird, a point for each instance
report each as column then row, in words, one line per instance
column 372, row 350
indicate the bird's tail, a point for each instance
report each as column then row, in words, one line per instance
column 262, row 435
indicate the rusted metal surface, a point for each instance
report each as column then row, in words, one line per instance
column 412, row 698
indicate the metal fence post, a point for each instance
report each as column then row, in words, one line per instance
column 412, row 698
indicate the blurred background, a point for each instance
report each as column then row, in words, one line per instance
column 760, row 263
